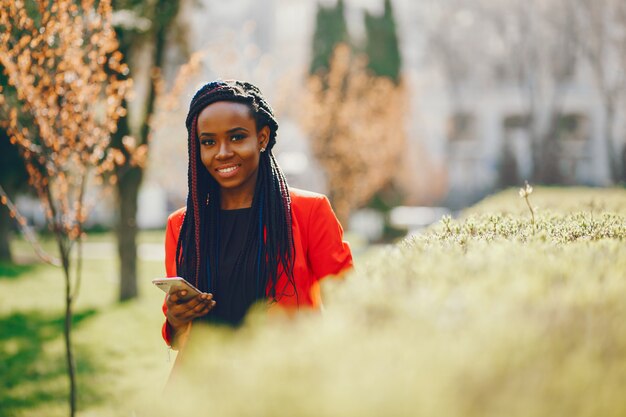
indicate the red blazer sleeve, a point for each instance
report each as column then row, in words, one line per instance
column 171, row 239
column 328, row 253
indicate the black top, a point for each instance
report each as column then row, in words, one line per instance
column 234, row 283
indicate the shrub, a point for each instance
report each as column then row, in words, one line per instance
column 483, row 316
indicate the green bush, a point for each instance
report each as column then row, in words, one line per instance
column 490, row 315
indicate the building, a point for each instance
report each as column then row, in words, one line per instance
column 472, row 141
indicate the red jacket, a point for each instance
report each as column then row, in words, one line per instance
column 319, row 248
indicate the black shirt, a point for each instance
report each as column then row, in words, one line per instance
column 234, row 283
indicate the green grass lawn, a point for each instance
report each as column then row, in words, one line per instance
column 121, row 359
column 488, row 315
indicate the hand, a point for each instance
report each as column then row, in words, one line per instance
column 180, row 313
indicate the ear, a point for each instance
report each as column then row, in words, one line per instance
column 264, row 137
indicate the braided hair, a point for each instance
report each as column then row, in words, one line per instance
column 272, row 238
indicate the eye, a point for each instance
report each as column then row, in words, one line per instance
column 207, row 142
column 237, row 137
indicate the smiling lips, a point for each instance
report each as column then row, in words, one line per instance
column 227, row 171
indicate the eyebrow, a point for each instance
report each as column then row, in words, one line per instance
column 230, row 131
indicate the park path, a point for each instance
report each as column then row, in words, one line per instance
column 108, row 250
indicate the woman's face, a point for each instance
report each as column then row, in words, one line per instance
column 230, row 147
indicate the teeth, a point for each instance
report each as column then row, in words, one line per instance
column 227, row 170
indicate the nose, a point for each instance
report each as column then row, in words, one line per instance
column 224, row 151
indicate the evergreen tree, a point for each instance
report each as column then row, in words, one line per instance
column 383, row 52
column 330, row 30
column 13, row 179
column 13, row 176
column 381, row 45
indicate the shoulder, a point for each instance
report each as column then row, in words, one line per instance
column 310, row 205
column 172, row 232
column 175, row 220
column 305, row 198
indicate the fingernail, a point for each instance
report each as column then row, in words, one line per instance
column 183, row 292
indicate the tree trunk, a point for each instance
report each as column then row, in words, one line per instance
column 548, row 154
column 69, row 354
column 5, row 234
column 623, row 160
column 548, row 171
column 14, row 179
column 128, row 181
column 64, row 254
column 128, row 190
column 130, row 177
column 612, row 152
column 508, row 169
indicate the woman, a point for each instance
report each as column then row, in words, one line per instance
column 244, row 234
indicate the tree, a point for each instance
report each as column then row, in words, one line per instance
column 532, row 47
column 330, row 30
column 64, row 107
column 381, row 45
column 13, row 178
column 545, row 68
column 384, row 60
column 603, row 23
column 142, row 24
column 355, row 122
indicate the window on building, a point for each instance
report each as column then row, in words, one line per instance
column 516, row 121
column 573, row 127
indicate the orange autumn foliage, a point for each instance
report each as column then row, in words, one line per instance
column 355, row 122
column 61, row 60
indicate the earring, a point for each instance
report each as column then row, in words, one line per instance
column 262, row 149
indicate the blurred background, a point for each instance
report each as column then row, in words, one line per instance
column 440, row 102
column 492, row 93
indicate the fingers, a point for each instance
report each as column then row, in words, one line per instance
column 177, row 296
column 202, row 309
column 180, row 311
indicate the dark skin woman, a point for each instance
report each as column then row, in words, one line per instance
column 244, row 235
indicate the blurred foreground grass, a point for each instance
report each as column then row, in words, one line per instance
column 485, row 316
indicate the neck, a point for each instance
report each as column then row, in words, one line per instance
column 232, row 201
column 240, row 196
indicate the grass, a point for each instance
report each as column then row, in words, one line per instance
column 483, row 316
column 11, row 270
column 121, row 359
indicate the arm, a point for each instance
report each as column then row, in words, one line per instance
column 179, row 315
column 328, row 253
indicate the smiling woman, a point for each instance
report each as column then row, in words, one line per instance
column 244, row 235
column 230, row 149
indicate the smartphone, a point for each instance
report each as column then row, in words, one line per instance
column 170, row 285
